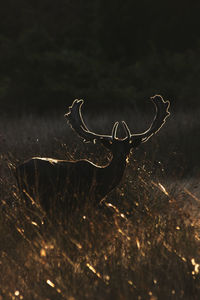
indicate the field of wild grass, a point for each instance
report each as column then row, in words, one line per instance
column 143, row 243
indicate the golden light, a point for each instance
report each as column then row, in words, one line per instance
column 196, row 266
column 49, row 282
column 93, row 270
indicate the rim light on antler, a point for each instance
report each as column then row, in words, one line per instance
column 75, row 120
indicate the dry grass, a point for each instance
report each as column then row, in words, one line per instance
column 142, row 244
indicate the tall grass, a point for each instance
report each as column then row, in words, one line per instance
column 143, row 243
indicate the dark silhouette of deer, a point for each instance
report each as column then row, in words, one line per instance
column 64, row 185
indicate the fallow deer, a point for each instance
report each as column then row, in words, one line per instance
column 65, row 185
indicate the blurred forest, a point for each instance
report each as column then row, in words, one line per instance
column 113, row 52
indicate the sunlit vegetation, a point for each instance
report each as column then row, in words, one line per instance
column 143, row 243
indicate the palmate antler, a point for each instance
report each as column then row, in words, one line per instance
column 161, row 115
column 75, row 120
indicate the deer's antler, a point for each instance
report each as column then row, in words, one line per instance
column 75, row 120
column 159, row 120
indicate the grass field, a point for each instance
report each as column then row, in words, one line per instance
column 144, row 241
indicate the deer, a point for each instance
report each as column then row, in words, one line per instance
column 64, row 185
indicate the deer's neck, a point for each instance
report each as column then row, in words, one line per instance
column 111, row 175
column 116, row 168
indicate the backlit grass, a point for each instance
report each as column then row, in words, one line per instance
column 143, row 243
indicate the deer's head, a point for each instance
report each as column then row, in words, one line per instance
column 119, row 147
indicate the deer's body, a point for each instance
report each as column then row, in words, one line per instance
column 64, row 185
column 67, row 182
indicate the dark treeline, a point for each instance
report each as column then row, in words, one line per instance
column 108, row 52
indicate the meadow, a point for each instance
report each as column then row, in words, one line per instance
column 143, row 243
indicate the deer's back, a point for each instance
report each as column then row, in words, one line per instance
column 56, row 182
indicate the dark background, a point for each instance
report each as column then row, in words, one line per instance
column 111, row 53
